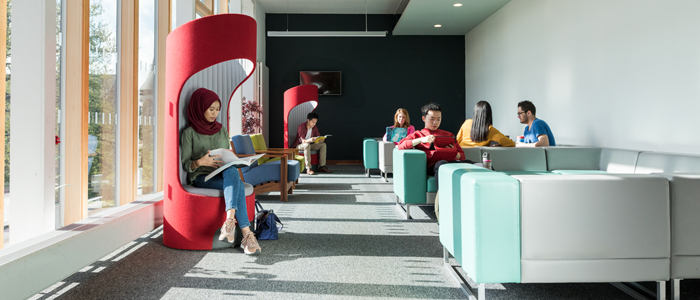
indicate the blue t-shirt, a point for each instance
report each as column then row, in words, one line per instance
column 539, row 127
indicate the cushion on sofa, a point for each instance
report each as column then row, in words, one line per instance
column 573, row 158
column 657, row 162
column 618, row 160
column 517, row 159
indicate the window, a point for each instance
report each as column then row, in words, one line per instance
column 204, row 8
column 148, row 108
column 102, row 115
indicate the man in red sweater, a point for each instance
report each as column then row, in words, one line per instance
column 423, row 140
column 307, row 133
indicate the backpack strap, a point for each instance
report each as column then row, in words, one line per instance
column 258, row 206
column 278, row 221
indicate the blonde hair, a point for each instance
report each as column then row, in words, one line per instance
column 396, row 118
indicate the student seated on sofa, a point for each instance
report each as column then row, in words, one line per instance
column 537, row 132
column 401, row 120
column 307, row 133
column 480, row 131
column 423, row 140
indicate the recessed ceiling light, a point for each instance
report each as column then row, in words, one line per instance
column 438, row 25
column 457, row 4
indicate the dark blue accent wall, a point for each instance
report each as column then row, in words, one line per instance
column 379, row 76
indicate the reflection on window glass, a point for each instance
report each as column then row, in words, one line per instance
column 147, row 133
column 197, row 15
column 59, row 120
column 8, row 76
column 217, row 6
column 102, row 117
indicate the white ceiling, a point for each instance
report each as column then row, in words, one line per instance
column 418, row 17
column 388, row 7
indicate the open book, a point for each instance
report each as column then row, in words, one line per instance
column 229, row 160
column 320, row 139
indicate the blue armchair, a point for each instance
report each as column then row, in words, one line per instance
column 277, row 175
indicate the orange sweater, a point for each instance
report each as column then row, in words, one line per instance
column 464, row 140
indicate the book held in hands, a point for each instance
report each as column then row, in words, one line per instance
column 320, row 139
column 229, row 159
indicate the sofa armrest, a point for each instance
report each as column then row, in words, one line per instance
column 480, row 221
column 386, row 153
column 410, row 175
column 685, row 237
column 369, row 153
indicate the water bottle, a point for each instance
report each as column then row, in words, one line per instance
column 486, row 160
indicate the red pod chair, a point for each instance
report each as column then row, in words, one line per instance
column 298, row 102
column 218, row 53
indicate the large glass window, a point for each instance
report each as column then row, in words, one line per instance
column 8, row 44
column 102, row 116
column 147, row 134
column 59, row 116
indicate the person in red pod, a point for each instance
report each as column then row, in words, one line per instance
column 428, row 140
column 307, row 133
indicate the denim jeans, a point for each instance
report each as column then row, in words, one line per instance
column 234, row 192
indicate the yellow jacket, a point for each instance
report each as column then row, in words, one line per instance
column 464, row 140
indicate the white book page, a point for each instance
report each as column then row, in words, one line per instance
column 229, row 159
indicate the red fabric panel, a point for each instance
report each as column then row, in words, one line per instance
column 190, row 220
column 293, row 97
column 314, row 159
column 250, row 206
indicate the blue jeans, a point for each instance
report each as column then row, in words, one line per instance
column 234, row 192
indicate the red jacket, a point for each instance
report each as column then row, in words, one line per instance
column 301, row 133
column 407, row 143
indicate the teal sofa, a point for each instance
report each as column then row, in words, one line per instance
column 412, row 185
column 573, row 214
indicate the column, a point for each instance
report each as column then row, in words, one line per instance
column 33, row 115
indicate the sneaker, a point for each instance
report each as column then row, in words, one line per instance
column 228, row 231
column 250, row 244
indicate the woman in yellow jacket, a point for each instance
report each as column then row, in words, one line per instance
column 480, row 131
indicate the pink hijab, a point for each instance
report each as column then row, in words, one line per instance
column 201, row 100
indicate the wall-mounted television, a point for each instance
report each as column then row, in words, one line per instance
column 328, row 82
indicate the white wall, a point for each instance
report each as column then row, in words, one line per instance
column 33, row 88
column 622, row 74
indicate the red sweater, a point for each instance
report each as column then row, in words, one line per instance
column 407, row 143
column 301, row 133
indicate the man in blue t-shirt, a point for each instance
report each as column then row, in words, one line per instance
column 537, row 132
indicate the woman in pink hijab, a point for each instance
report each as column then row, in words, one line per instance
column 204, row 134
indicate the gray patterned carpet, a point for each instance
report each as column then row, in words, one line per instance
column 344, row 238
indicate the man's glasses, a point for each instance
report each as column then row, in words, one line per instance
column 520, row 113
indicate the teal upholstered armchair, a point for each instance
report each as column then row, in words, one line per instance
column 412, row 186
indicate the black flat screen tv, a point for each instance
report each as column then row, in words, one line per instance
column 328, row 82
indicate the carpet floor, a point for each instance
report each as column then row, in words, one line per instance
column 343, row 238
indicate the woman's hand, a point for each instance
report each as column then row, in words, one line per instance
column 210, row 161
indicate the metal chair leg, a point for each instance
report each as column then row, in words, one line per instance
column 661, row 290
column 366, row 172
column 676, row 289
